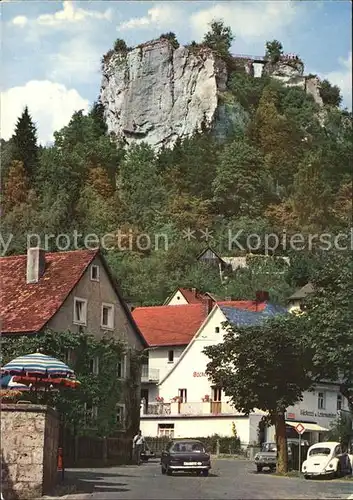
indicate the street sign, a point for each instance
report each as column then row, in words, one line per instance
column 300, row 428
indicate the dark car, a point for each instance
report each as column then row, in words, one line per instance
column 183, row 455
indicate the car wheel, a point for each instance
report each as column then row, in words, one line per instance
column 169, row 472
column 306, row 476
column 338, row 472
column 272, row 468
column 205, row 473
column 259, row 468
column 163, row 471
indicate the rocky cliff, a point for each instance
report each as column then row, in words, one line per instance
column 156, row 93
column 291, row 73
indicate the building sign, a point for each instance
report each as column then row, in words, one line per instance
column 199, row 374
column 307, row 413
column 290, row 416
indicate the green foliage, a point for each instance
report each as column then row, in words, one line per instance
column 274, row 51
column 239, row 180
column 330, row 94
column 102, row 390
column 172, row 38
column 328, row 320
column 341, row 430
column 25, row 143
column 219, row 37
column 120, row 45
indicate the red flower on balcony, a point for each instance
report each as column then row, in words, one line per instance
column 159, row 399
column 206, row 398
column 176, row 399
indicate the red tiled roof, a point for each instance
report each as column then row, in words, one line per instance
column 193, row 298
column 28, row 307
column 169, row 325
column 176, row 325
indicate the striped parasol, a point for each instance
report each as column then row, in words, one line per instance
column 37, row 365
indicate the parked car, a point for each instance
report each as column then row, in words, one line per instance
column 185, row 455
column 147, row 453
column 267, row 457
column 326, row 459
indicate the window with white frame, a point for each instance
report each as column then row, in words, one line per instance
column 166, row 430
column 94, row 365
column 339, row 402
column 121, row 368
column 90, row 415
column 120, row 415
column 107, row 316
column 321, row 400
column 94, row 273
column 80, row 311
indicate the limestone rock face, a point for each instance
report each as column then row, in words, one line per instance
column 289, row 71
column 312, row 87
column 157, row 94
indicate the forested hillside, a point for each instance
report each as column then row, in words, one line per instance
column 288, row 168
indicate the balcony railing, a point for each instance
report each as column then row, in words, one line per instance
column 159, row 409
column 192, row 408
column 149, row 374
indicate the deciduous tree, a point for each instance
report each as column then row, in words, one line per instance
column 265, row 367
column 219, row 37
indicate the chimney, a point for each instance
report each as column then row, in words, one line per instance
column 194, row 291
column 262, row 296
column 35, row 264
column 209, row 304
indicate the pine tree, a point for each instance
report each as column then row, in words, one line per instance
column 25, row 143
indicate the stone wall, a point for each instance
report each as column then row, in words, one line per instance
column 29, row 444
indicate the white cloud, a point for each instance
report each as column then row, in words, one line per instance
column 71, row 14
column 343, row 79
column 50, row 104
column 160, row 16
column 78, row 60
column 20, row 21
column 248, row 20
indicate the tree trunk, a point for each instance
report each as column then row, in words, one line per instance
column 281, row 441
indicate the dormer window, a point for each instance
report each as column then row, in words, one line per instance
column 94, row 273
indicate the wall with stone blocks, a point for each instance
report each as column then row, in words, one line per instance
column 29, row 445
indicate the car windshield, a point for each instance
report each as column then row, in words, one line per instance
column 269, row 447
column 320, row 451
column 188, row 447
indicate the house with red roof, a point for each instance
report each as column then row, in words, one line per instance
column 188, row 296
column 66, row 291
column 188, row 404
column 167, row 331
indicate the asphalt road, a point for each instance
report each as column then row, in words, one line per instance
column 233, row 479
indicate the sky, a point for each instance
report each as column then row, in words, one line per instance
column 51, row 50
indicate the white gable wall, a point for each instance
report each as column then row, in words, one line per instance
column 190, row 372
column 177, row 299
column 158, row 359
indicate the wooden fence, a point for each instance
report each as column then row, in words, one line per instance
column 90, row 451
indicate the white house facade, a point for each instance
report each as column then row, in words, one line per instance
column 190, row 406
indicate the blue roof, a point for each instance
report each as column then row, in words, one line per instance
column 243, row 317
